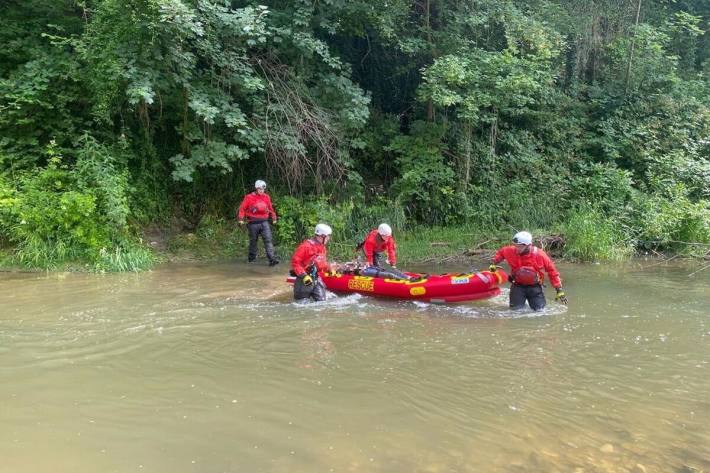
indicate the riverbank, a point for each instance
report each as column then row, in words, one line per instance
column 419, row 245
column 227, row 241
column 416, row 245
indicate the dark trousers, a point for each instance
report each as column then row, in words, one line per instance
column 263, row 229
column 533, row 294
column 377, row 272
column 316, row 291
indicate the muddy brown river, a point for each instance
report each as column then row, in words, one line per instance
column 212, row 368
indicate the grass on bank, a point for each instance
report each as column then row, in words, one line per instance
column 591, row 237
column 219, row 240
column 588, row 236
column 39, row 255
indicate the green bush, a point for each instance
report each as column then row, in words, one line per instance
column 426, row 187
column 520, row 204
column 378, row 210
column 95, row 170
column 298, row 218
column 673, row 222
column 603, row 185
column 72, row 215
column 214, row 238
column 592, row 236
column 7, row 204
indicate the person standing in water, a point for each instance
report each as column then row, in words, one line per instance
column 309, row 258
column 256, row 208
column 527, row 263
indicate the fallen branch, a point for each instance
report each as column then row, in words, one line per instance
column 481, row 244
column 692, row 243
column 661, row 262
column 701, row 269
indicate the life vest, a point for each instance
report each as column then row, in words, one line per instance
column 259, row 207
column 309, row 257
column 526, row 276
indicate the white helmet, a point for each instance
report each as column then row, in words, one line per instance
column 384, row 230
column 323, row 229
column 522, row 238
column 259, row 184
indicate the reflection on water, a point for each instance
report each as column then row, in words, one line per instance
column 210, row 368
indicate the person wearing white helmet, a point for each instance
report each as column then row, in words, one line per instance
column 527, row 263
column 310, row 259
column 375, row 243
column 378, row 241
column 256, row 208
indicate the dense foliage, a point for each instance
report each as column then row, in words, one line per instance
column 588, row 117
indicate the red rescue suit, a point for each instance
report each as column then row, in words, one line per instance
column 309, row 254
column 374, row 243
column 536, row 259
column 256, row 207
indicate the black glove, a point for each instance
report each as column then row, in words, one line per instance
column 560, row 297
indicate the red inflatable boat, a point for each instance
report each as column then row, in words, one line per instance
column 439, row 288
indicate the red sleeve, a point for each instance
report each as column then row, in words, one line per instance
column 271, row 207
column 499, row 256
column 551, row 270
column 392, row 251
column 369, row 247
column 243, row 206
column 301, row 258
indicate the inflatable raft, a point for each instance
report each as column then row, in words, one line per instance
column 438, row 288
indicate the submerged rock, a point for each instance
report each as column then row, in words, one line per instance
column 639, row 468
column 607, row 448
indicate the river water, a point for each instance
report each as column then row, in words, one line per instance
column 212, row 368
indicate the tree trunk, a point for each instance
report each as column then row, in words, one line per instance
column 185, row 144
column 427, row 24
column 631, row 50
column 494, row 133
column 467, row 149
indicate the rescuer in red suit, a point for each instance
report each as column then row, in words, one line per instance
column 527, row 263
column 378, row 241
column 256, row 208
column 309, row 258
